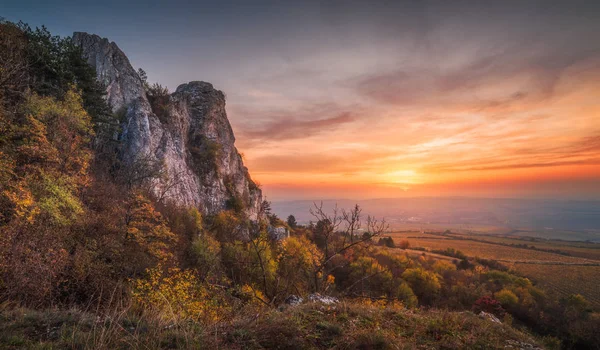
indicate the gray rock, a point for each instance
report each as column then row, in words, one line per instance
column 191, row 143
column 293, row 300
column 324, row 299
column 278, row 233
column 488, row 316
column 123, row 85
column 515, row 344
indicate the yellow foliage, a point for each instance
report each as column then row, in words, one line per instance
column 253, row 296
column 298, row 261
column 49, row 165
column 506, row 297
column 442, row 266
column 381, row 303
column 23, row 201
column 423, row 282
column 148, row 229
column 179, row 294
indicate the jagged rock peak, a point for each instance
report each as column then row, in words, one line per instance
column 191, row 138
column 198, row 87
column 123, row 84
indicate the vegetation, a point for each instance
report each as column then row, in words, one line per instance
column 357, row 325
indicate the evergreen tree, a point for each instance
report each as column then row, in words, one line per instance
column 291, row 221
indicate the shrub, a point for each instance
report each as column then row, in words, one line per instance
column 507, row 298
column 159, row 98
column 442, row 266
column 387, row 241
column 404, row 244
column 425, row 284
column 176, row 293
column 405, row 294
column 488, row 304
column 206, row 252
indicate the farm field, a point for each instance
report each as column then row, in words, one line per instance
column 576, row 249
column 565, row 280
column 558, row 274
column 487, row 250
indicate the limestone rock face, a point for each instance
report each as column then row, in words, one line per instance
column 191, row 140
column 123, row 85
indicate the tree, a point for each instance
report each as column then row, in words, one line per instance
column 404, row 244
column 144, row 78
column 13, row 62
column 488, row 304
column 298, row 260
column 291, row 221
column 147, row 230
column 369, row 278
column 44, row 154
column 56, row 64
column 335, row 239
column 387, row 241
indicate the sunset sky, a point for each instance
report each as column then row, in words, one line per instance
column 361, row 99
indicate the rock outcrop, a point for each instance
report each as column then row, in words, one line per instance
column 190, row 140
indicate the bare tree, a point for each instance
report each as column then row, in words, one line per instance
column 328, row 229
column 168, row 183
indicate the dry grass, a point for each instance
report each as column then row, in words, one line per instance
column 75, row 329
column 310, row 326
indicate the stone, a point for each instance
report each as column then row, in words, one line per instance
column 488, row 316
column 293, row 300
column 324, row 299
column 278, row 233
column 191, row 142
column 515, row 344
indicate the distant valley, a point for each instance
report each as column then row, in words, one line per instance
column 539, row 218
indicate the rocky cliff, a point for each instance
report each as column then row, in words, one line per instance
column 190, row 139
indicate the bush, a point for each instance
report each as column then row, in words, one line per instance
column 206, row 253
column 425, row 284
column 176, row 293
column 404, row 244
column 507, row 298
column 405, row 294
column 489, row 305
column 159, row 98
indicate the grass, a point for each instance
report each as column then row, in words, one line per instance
column 309, row 326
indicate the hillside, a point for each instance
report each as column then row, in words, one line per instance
column 310, row 326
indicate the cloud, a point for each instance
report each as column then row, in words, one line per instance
column 498, row 82
column 294, row 128
column 583, row 151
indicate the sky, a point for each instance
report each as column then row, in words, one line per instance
column 378, row 99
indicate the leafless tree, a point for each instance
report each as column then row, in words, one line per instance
column 329, row 227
